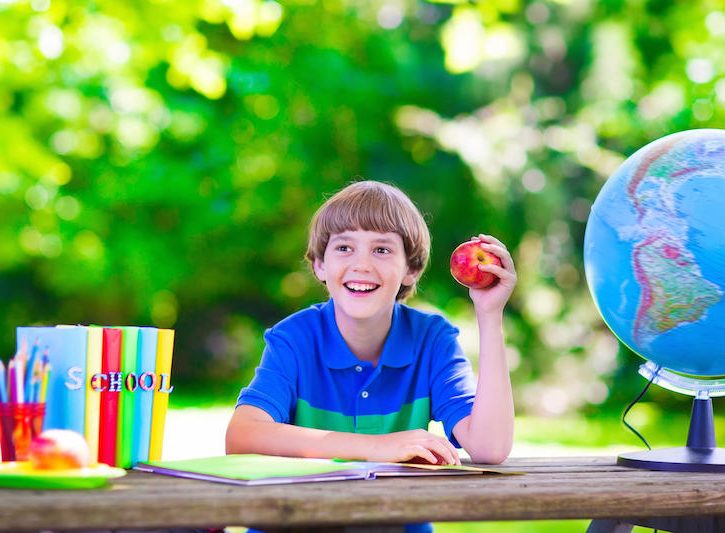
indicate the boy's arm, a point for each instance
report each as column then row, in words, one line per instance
column 487, row 433
column 252, row 430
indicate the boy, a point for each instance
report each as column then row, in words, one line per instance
column 360, row 376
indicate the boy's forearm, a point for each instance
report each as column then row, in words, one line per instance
column 273, row 438
column 252, row 431
column 487, row 434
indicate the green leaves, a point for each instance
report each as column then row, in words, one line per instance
column 160, row 161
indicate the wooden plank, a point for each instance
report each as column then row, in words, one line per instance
column 552, row 489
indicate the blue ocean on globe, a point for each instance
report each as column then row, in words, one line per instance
column 654, row 252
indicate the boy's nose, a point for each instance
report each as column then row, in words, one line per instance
column 361, row 263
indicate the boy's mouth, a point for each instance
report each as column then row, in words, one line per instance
column 359, row 287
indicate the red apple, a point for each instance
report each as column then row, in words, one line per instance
column 59, row 449
column 464, row 265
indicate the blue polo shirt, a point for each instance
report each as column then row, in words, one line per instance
column 309, row 377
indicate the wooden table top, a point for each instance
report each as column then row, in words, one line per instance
column 551, row 488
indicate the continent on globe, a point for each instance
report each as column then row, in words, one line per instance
column 674, row 292
column 673, row 289
column 654, row 252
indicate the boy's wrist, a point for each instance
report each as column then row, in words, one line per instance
column 487, row 314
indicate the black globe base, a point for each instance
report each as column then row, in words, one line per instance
column 682, row 459
column 700, row 455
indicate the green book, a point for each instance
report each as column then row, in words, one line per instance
column 129, row 392
column 252, row 469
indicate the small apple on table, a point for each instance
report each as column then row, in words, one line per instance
column 59, row 449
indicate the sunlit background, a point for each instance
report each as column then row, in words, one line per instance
column 160, row 161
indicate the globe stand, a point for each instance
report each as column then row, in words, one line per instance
column 701, row 453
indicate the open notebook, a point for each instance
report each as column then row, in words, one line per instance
column 252, row 469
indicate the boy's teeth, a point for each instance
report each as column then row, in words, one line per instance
column 361, row 286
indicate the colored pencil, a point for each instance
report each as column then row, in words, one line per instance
column 12, row 389
column 47, row 368
column 20, row 369
column 3, row 385
column 33, row 391
column 30, row 370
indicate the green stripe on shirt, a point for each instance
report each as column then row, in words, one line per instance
column 415, row 415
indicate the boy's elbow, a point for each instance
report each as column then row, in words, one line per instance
column 237, row 441
column 491, row 453
column 490, row 457
column 246, row 431
column 237, row 436
column 231, row 441
column 488, row 447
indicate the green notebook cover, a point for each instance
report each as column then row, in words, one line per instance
column 127, row 404
column 252, row 469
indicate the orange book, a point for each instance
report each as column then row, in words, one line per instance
column 110, row 384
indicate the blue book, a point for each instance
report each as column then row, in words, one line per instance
column 66, row 347
column 145, row 370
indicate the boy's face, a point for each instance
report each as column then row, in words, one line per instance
column 363, row 271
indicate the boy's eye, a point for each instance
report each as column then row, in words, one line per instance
column 382, row 250
column 343, row 248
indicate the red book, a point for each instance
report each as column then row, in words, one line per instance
column 110, row 385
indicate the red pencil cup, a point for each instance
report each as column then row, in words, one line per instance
column 19, row 423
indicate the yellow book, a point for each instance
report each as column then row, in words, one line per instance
column 93, row 398
column 164, row 353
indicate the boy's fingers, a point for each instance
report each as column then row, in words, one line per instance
column 498, row 249
column 498, row 271
column 501, row 252
column 454, row 452
column 446, row 451
column 488, row 239
column 423, row 452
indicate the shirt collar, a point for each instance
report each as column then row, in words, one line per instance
column 397, row 351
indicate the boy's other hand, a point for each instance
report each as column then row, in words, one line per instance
column 416, row 445
column 494, row 297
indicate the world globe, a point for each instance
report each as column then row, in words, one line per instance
column 654, row 252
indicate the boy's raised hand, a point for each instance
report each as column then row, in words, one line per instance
column 494, row 297
column 412, row 445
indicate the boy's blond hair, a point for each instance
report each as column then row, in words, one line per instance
column 372, row 206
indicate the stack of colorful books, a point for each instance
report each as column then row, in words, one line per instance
column 111, row 384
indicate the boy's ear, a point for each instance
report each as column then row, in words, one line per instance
column 319, row 267
column 410, row 278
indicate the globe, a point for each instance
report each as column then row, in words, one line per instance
column 654, row 252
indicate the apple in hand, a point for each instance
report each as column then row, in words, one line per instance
column 59, row 449
column 464, row 265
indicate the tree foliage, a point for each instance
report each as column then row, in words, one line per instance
column 161, row 160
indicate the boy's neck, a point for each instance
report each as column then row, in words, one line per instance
column 365, row 338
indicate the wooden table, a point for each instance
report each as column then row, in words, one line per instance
column 554, row 488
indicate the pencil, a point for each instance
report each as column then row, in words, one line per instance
column 20, row 377
column 44, row 380
column 12, row 389
column 33, row 391
column 30, row 375
column 3, row 386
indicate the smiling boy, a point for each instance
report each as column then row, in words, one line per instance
column 361, row 376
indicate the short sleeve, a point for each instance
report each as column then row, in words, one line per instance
column 453, row 388
column 274, row 386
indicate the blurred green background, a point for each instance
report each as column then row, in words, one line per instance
column 160, row 161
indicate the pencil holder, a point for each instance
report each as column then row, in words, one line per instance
column 19, row 424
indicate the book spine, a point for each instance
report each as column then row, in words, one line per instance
column 164, row 354
column 146, row 371
column 93, row 397
column 110, row 386
column 127, row 407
